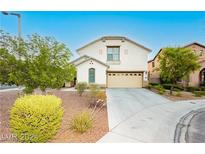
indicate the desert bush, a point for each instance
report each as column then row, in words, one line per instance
column 203, row 93
column 94, row 94
column 169, row 85
column 81, row 87
column 99, row 100
column 176, row 89
column 178, row 94
column 81, row 122
column 160, row 89
column 192, row 89
column 149, row 86
column 28, row 90
column 154, row 84
column 36, row 118
column 199, row 93
column 101, row 95
column 202, row 88
column 161, row 92
column 94, row 90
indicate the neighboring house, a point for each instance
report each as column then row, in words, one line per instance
column 195, row 79
column 113, row 61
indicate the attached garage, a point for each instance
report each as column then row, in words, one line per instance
column 124, row 79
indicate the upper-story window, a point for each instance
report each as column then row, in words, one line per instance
column 113, row 53
column 201, row 53
column 153, row 64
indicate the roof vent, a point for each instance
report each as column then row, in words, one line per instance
column 103, row 39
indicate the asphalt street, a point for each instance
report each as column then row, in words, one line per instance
column 196, row 130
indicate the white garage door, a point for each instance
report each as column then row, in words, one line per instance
column 124, row 80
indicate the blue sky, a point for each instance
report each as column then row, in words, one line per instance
column 151, row 29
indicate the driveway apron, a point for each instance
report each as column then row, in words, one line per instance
column 139, row 115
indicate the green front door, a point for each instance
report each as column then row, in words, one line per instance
column 91, row 75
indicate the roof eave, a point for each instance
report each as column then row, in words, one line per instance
column 194, row 43
column 94, row 60
column 114, row 37
column 78, row 59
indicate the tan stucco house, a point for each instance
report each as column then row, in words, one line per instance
column 195, row 79
column 114, row 62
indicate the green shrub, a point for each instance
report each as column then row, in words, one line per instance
column 149, row 86
column 203, row 93
column 202, row 88
column 192, row 89
column 176, row 89
column 161, row 92
column 81, row 87
column 28, row 90
column 178, row 94
column 159, row 88
column 82, row 122
column 199, row 93
column 169, row 85
column 36, row 118
column 179, row 87
column 154, row 84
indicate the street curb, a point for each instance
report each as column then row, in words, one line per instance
column 181, row 131
column 11, row 89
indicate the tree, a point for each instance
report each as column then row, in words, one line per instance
column 7, row 62
column 176, row 64
column 10, row 50
column 37, row 62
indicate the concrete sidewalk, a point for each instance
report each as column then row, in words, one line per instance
column 11, row 89
column 139, row 115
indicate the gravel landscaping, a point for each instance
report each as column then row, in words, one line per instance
column 183, row 95
column 72, row 104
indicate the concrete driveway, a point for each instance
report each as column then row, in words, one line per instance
column 139, row 115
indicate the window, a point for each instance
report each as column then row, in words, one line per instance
column 153, row 64
column 91, row 75
column 201, row 53
column 113, row 53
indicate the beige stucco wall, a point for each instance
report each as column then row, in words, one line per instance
column 194, row 77
column 153, row 73
column 76, row 62
column 132, row 56
column 83, row 72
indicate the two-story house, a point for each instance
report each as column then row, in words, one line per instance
column 196, row 78
column 113, row 61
